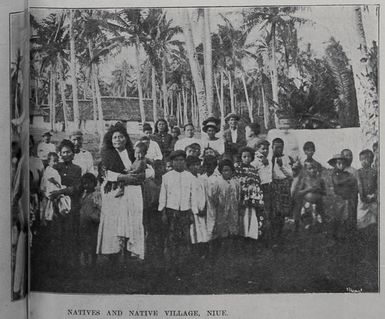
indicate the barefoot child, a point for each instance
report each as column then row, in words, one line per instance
column 367, row 212
column 344, row 184
column 225, row 195
column 251, row 213
column 89, row 218
column 280, row 189
column 311, row 188
column 178, row 203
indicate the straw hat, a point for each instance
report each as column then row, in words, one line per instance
column 333, row 160
column 211, row 122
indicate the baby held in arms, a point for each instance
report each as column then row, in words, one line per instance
column 138, row 167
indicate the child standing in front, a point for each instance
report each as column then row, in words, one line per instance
column 345, row 185
column 280, row 189
column 311, row 188
column 226, row 195
column 90, row 206
column 50, row 182
column 367, row 212
column 251, row 213
column 177, row 203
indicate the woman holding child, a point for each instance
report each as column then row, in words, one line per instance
column 121, row 221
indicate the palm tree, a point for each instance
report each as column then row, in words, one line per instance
column 75, row 103
column 194, row 65
column 278, row 26
column 367, row 96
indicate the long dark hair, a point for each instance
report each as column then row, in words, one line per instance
column 107, row 140
column 156, row 126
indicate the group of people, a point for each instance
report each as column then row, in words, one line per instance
column 193, row 196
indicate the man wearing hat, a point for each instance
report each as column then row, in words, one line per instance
column 233, row 136
column 45, row 147
column 211, row 127
column 82, row 157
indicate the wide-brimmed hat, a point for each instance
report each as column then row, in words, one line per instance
column 333, row 160
column 176, row 154
column 76, row 133
column 211, row 122
column 231, row 115
column 46, row 133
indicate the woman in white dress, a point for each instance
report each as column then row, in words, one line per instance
column 121, row 221
column 211, row 128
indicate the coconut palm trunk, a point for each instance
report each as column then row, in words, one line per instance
column 274, row 74
column 139, row 81
column 208, row 61
column 62, row 93
column 153, row 94
column 74, row 84
column 194, row 65
column 367, row 96
column 164, row 87
column 248, row 102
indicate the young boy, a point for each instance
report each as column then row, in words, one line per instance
column 198, row 230
column 280, row 189
column 311, row 188
column 177, row 203
column 367, row 211
column 344, row 184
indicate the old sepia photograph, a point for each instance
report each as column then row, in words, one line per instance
column 201, row 150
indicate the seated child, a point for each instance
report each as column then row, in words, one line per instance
column 50, row 182
column 311, row 188
column 89, row 218
column 138, row 167
column 367, row 211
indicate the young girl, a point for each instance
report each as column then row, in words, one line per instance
column 344, row 184
column 251, row 213
column 89, row 218
column 225, row 194
column 311, row 188
column 280, row 189
column 50, row 182
column 367, row 212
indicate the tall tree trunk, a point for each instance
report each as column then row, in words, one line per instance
column 178, row 110
column 208, row 62
column 231, row 88
column 62, row 93
column 367, row 92
column 94, row 102
column 220, row 99
column 274, row 75
column 266, row 114
column 50, row 100
column 54, row 75
column 164, row 87
column 153, row 94
column 184, row 95
column 99, row 103
column 75, row 103
column 248, row 102
column 139, row 81
column 194, row 65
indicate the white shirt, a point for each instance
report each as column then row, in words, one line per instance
column 44, row 148
column 179, row 192
column 234, row 135
column 264, row 172
column 85, row 161
column 217, row 145
column 153, row 153
column 46, row 186
column 184, row 142
column 284, row 171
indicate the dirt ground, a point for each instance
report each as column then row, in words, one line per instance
column 308, row 262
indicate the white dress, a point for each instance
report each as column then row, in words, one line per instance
column 121, row 217
column 198, row 230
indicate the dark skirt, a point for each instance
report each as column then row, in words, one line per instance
column 280, row 197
